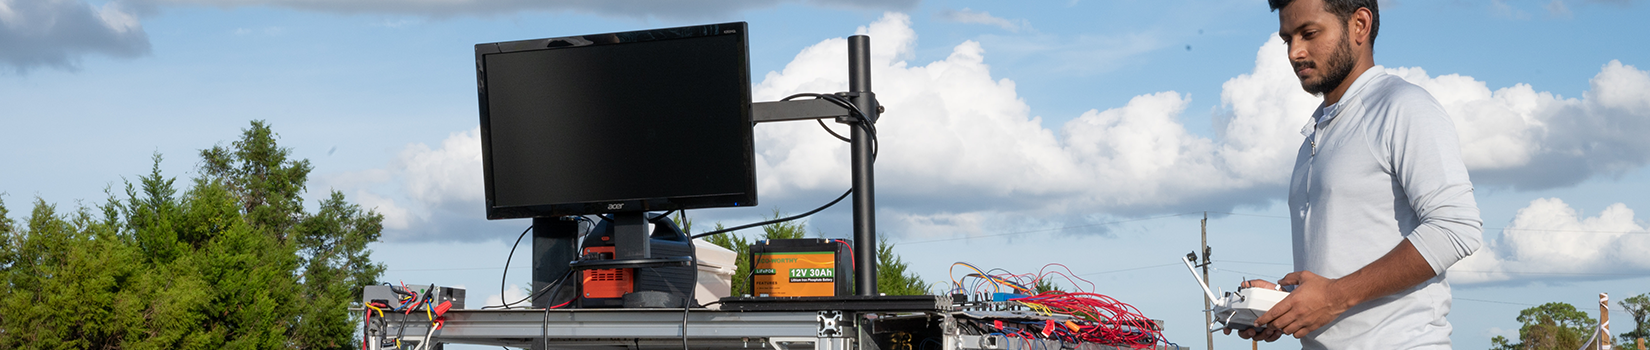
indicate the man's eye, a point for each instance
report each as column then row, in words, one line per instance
column 1309, row 34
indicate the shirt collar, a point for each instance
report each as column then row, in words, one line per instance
column 1321, row 116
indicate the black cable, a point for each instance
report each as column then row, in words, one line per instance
column 692, row 289
column 853, row 112
column 505, row 276
column 864, row 123
column 552, row 287
column 779, row 220
column 833, row 132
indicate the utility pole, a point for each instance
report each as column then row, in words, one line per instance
column 1207, row 318
column 1604, row 321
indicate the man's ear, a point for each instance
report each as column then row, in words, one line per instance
column 1359, row 23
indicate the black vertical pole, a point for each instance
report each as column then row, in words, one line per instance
column 865, row 220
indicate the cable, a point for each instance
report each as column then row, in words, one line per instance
column 779, row 220
column 552, row 287
column 833, row 132
column 692, row 289
column 864, row 123
column 505, row 276
column 853, row 112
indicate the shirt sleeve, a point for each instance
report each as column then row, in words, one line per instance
column 1426, row 159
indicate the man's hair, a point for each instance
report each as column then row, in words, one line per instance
column 1344, row 9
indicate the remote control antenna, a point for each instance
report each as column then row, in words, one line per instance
column 1195, row 276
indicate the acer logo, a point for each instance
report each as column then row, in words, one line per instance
column 615, row 206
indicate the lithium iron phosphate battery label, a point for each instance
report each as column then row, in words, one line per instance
column 795, row 274
column 812, row 275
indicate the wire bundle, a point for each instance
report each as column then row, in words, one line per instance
column 1108, row 321
column 1089, row 317
column 408, row 301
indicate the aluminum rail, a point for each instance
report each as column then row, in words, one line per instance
column 628, row 328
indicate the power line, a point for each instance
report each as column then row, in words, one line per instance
column 1128, row 269
column 1048, row 229
column 1217, row 269
column 1254, row 262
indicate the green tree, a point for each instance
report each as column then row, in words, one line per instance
column 234, row 262
column 332, row 263
column 1549, row 326
column 1044, row 285
column 1639, row 307
column 892, row 277
column 258, row 172
column 740, row 246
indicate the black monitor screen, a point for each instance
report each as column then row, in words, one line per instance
column 647, row 120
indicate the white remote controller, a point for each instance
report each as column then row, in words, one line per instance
column 1237, row 310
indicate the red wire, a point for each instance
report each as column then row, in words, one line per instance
column 1112, row 322
column 368, row 322
column 562, row 304
column 851, row 261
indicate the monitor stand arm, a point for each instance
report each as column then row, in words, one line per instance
column 864, row 207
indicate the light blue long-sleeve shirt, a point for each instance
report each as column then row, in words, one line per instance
column 1381, row 166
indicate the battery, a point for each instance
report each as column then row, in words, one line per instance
column 808, row 267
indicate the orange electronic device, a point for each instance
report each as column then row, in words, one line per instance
column 606, row 283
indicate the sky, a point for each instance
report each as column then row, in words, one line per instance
column 1093, row 134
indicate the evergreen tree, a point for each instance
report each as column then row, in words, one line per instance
column 892, row 277
column 232, row 262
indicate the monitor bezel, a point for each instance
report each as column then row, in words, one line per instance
column 745, row 199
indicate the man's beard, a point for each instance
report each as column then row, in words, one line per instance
column 1339, row 66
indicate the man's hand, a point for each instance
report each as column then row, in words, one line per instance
column 1315, row 302
column 1269, row 334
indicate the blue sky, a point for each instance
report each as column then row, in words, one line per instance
column 1018, row 134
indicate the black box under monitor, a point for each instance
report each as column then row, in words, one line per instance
column 620, row 122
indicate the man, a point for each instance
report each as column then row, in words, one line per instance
column 1380, row 200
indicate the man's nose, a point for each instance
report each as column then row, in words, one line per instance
column 1297, row 52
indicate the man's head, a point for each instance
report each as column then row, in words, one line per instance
column 1327, row 38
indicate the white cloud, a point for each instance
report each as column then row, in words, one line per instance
column 958, row 143
column 56, row 33
column 426, row 193
column 1521, row 138
column 1550, row 240
column 448, row 174
column 961, row 148
column 395, row 216
column 961, row 152
column 970, row 16
column 1556, row 8
column 512, row 293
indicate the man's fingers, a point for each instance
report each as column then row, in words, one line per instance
column 1293, row 278
column 1294, row 330
column 1257, row 284
column 1272, row 334
column 1278, row 310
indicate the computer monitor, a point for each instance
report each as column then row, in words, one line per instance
column 617, row 123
